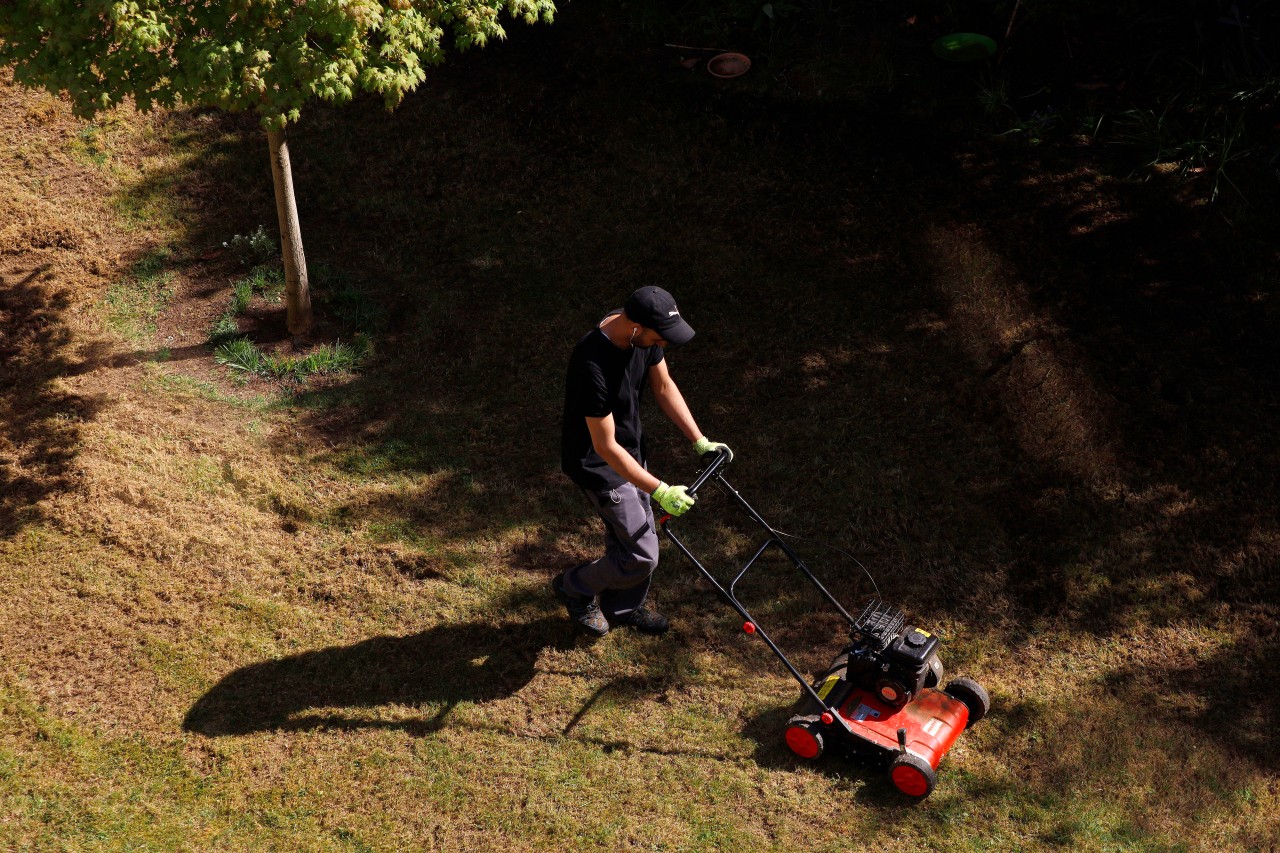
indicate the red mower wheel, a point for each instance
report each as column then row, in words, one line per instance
column 912, row 775
column 973, row 695
column 804, row 740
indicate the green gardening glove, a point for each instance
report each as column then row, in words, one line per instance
column 705, row 445
column 675, row 500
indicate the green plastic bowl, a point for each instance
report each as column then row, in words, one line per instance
column 964, row 47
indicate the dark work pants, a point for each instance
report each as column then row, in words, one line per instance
column 621, row 577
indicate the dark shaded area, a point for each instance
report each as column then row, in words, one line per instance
column 446, row 665
column 39, row 424
column 1231, row 692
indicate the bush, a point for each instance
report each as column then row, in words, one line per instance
column 252, row 249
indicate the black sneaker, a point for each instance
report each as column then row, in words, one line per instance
column 582, row 610
column 644, row 620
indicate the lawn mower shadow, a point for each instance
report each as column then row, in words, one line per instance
column 325, row 688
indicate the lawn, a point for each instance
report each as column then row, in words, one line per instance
column 1034, row 394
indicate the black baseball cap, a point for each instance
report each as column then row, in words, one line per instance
column 654, row 308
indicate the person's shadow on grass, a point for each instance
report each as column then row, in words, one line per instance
column 335, row 688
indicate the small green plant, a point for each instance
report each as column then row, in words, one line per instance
column 268, row 279
column 241, row 295
column 240, row 354
column 253, row 248
column 339, row 357
column 993, row 95
column 244, row 355
column 224, row 329
column 265, row 279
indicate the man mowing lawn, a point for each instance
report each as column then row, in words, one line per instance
column 602, row 451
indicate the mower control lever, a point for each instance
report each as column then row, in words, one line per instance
column 721, row 457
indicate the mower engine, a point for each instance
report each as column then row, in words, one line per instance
column 890, row 659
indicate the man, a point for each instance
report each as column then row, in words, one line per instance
column 603, row 452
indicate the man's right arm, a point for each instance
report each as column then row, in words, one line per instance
column 605, row 442
column 674, row 500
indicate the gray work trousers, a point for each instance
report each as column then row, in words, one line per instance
column 621, row 577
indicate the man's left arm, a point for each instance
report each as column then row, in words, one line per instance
column 672, row 404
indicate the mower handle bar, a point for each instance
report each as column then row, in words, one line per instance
column 774, row 540
column 722, row 456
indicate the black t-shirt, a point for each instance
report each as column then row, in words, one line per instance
column 603, row 380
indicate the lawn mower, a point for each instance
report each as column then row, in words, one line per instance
column 879, row 701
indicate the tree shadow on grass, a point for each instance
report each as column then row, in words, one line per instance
column 1232, row 693
column 336, row 688
column 39, row 423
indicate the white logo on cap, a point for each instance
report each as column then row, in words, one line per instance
column 673, row 313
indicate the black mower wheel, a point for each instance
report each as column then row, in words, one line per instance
column 973, row 695
column 912, row 775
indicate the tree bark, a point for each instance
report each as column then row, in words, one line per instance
column 297, row 289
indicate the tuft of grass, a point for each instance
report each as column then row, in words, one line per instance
column 241, row 354
column 993, row 95
column 224, row 329
column 134, row 302
column 1189, row 143
column 241, row 296
column 244, row 355
column 265, row 279
column 90, row 146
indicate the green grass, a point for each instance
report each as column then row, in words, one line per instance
column 265, row 280
column 242, row 354
column 224, row 329
column 180, row 385
column 134, row 302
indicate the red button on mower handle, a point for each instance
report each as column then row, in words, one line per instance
column 749, row 627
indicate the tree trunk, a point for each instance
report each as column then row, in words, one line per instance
column 297, row 289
